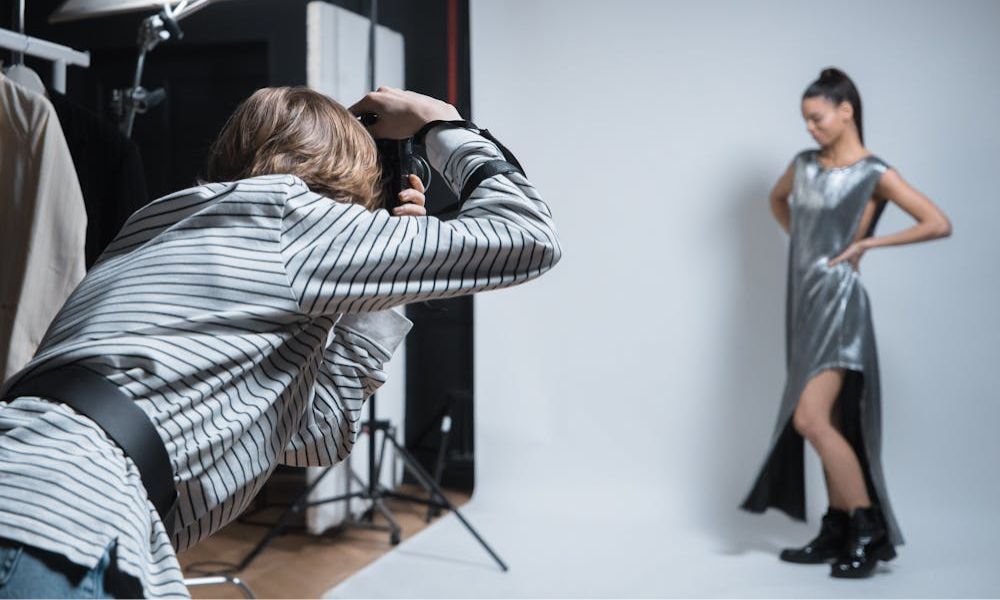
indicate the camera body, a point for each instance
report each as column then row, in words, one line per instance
column 398, row 162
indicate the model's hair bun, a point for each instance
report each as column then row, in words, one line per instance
column 832, row 75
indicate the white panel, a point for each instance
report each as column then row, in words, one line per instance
column 337, row 55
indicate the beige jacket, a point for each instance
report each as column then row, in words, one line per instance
column 43, row 223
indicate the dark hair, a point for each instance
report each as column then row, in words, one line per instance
column 834, row 85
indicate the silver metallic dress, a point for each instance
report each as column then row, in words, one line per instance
column 828, row 326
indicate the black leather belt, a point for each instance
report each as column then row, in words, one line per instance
column 96, row 398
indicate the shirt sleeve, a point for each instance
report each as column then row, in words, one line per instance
column 341, row 258
column 353, row 367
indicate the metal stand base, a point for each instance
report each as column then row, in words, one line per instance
column 221, row 579
column 376, row 493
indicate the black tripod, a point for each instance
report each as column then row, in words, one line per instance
column 374, row 492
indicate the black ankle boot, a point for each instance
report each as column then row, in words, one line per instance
column 826, row 546
column 867, row 543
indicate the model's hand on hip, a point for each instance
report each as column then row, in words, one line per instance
column 852, row 255
column 401, row 113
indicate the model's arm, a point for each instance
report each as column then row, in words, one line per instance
column 779, row 197
column 931, row 223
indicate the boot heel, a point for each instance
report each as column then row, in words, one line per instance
column 886, row 552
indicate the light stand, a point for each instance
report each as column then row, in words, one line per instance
column 125, row 103
column 374, row 492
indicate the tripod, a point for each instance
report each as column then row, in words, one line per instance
column 374, row 492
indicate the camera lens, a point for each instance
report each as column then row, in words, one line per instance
column 420, row 168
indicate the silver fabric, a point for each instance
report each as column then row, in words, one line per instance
column 828, row 325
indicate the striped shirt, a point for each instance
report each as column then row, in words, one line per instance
column 249, row 321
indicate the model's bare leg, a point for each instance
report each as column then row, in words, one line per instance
column 854, row 535
column 845, row 480
column 834, row 497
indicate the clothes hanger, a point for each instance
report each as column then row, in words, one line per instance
column 25, row 77
column 18, row 72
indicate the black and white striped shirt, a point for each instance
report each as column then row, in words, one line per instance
column 249, row 320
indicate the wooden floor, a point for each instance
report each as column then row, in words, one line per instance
column 298, row 565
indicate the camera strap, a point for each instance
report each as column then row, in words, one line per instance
column 484, row 171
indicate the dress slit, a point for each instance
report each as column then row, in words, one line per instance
column 781, row 482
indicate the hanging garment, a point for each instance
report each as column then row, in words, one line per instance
column 25, row 77
column 828, row 326
column 42, row 223
column 249, row 321
column 109, row 169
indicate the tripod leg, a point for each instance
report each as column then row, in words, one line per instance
column 433, row 511
column 434, row 489
column 381, row 459
column 279, row 527
column 367, row 515
column 394, row 529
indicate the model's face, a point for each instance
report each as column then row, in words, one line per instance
column 825, row 120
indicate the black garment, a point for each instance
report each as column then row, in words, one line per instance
column 109, row 169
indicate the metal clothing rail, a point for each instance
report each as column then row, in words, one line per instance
column 61, row 56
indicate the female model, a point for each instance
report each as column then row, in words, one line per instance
column 829, row 200
column 245, row 320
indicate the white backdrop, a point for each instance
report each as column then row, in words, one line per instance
column 625, row 400
column 655, row 349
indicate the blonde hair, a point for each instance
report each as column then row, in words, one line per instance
column 298, row 131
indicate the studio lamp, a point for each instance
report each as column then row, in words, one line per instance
column 154, row 29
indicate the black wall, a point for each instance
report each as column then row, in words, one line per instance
column 228, row 51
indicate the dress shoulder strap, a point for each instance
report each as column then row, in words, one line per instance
column 878, row 164
column 805, row 156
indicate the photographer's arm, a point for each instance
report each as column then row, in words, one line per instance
column 353, row 367
column 343, row 258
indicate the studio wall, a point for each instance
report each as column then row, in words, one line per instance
column 651, row 360
column 624, row 401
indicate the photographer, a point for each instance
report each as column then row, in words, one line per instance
column 247, row 319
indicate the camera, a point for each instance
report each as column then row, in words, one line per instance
column 398, row 161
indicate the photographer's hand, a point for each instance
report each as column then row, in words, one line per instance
column 411, row 200
column 401, row 113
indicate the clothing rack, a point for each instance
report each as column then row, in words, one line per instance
column 61, row 56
